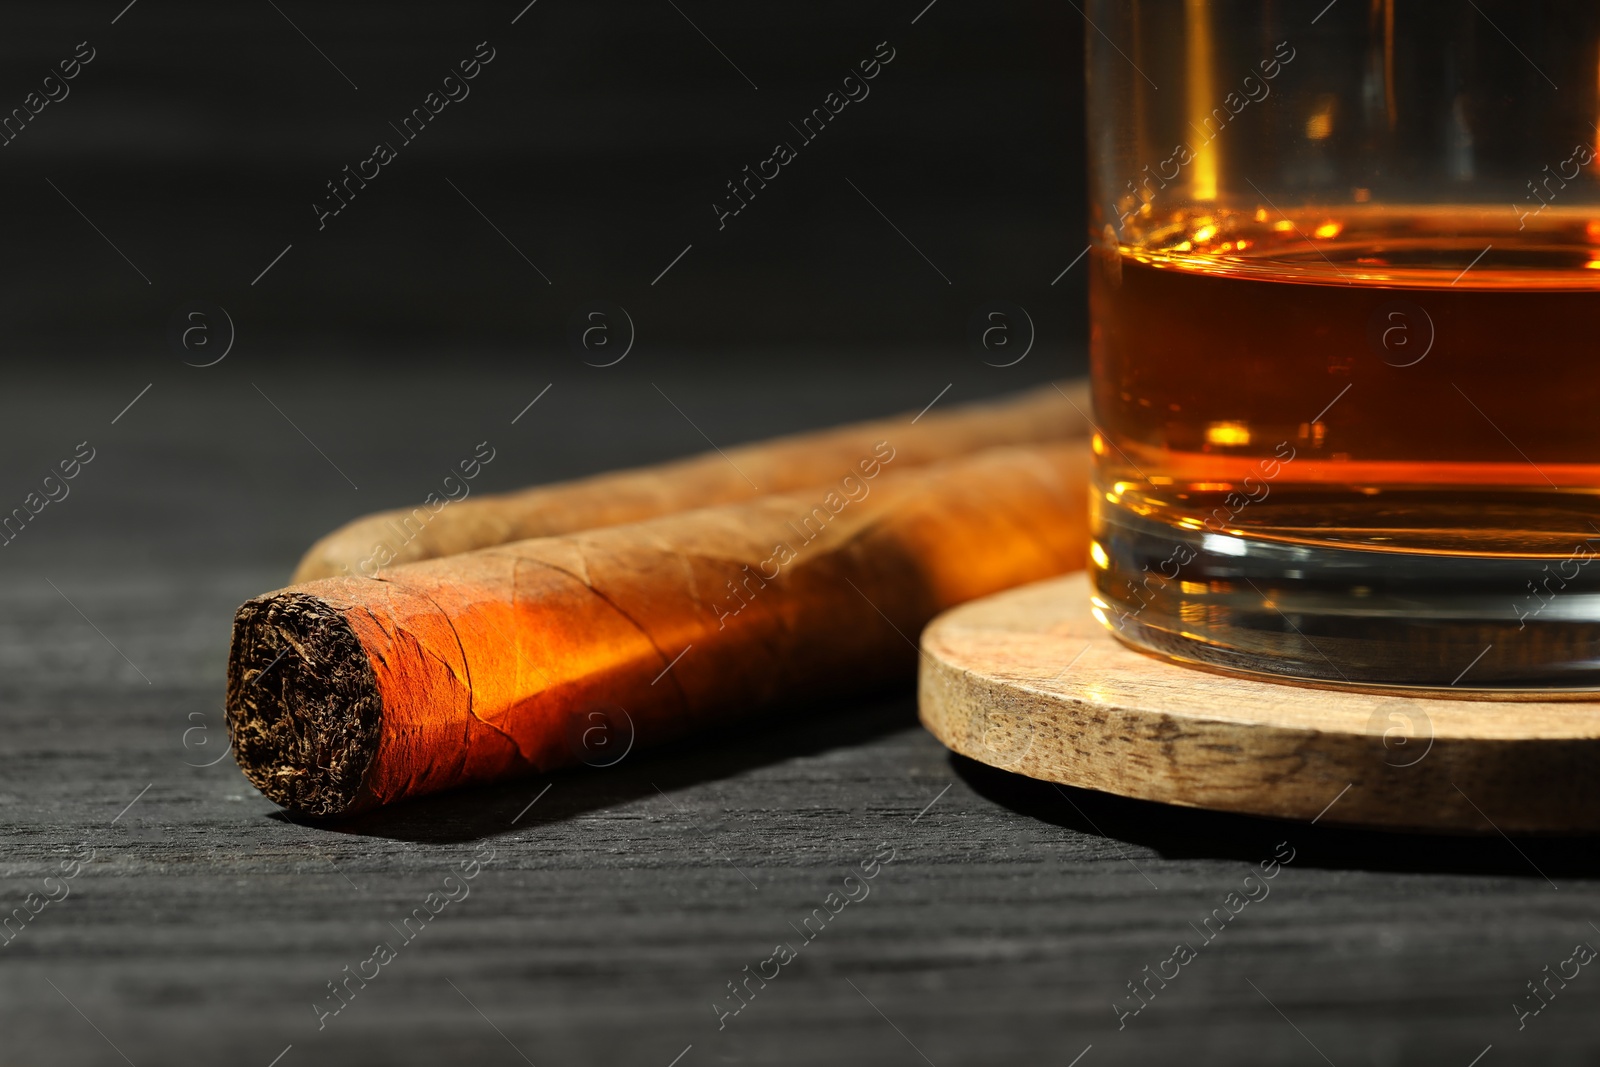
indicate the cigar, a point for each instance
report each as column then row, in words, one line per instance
column 348, row 693
column 368, row 545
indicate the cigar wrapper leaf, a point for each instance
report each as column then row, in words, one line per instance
column 364, row 546
column 348, row 693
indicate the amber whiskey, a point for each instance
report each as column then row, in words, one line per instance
column 1357, row 446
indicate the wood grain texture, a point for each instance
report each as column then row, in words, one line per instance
column 612, row 915
column 1029, row 681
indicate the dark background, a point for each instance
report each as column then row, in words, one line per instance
column 596, row 141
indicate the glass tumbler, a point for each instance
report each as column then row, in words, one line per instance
column 1345, row 341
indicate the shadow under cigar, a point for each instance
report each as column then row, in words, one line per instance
column 501, row 808
column 1190, row 833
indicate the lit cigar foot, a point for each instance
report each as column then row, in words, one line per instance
column 303, row 703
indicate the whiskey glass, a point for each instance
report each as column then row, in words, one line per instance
column 1345, row 337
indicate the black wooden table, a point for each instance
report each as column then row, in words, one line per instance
column 617, row 916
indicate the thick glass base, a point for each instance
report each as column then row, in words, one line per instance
column 1346, row 615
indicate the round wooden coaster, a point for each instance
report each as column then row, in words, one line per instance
column 1028, row 681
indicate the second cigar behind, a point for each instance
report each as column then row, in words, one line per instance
column 437, row 527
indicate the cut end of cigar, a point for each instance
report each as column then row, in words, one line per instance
column 303, row 703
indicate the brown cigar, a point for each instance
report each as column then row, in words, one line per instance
column 347, row 693
column 368, row 545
